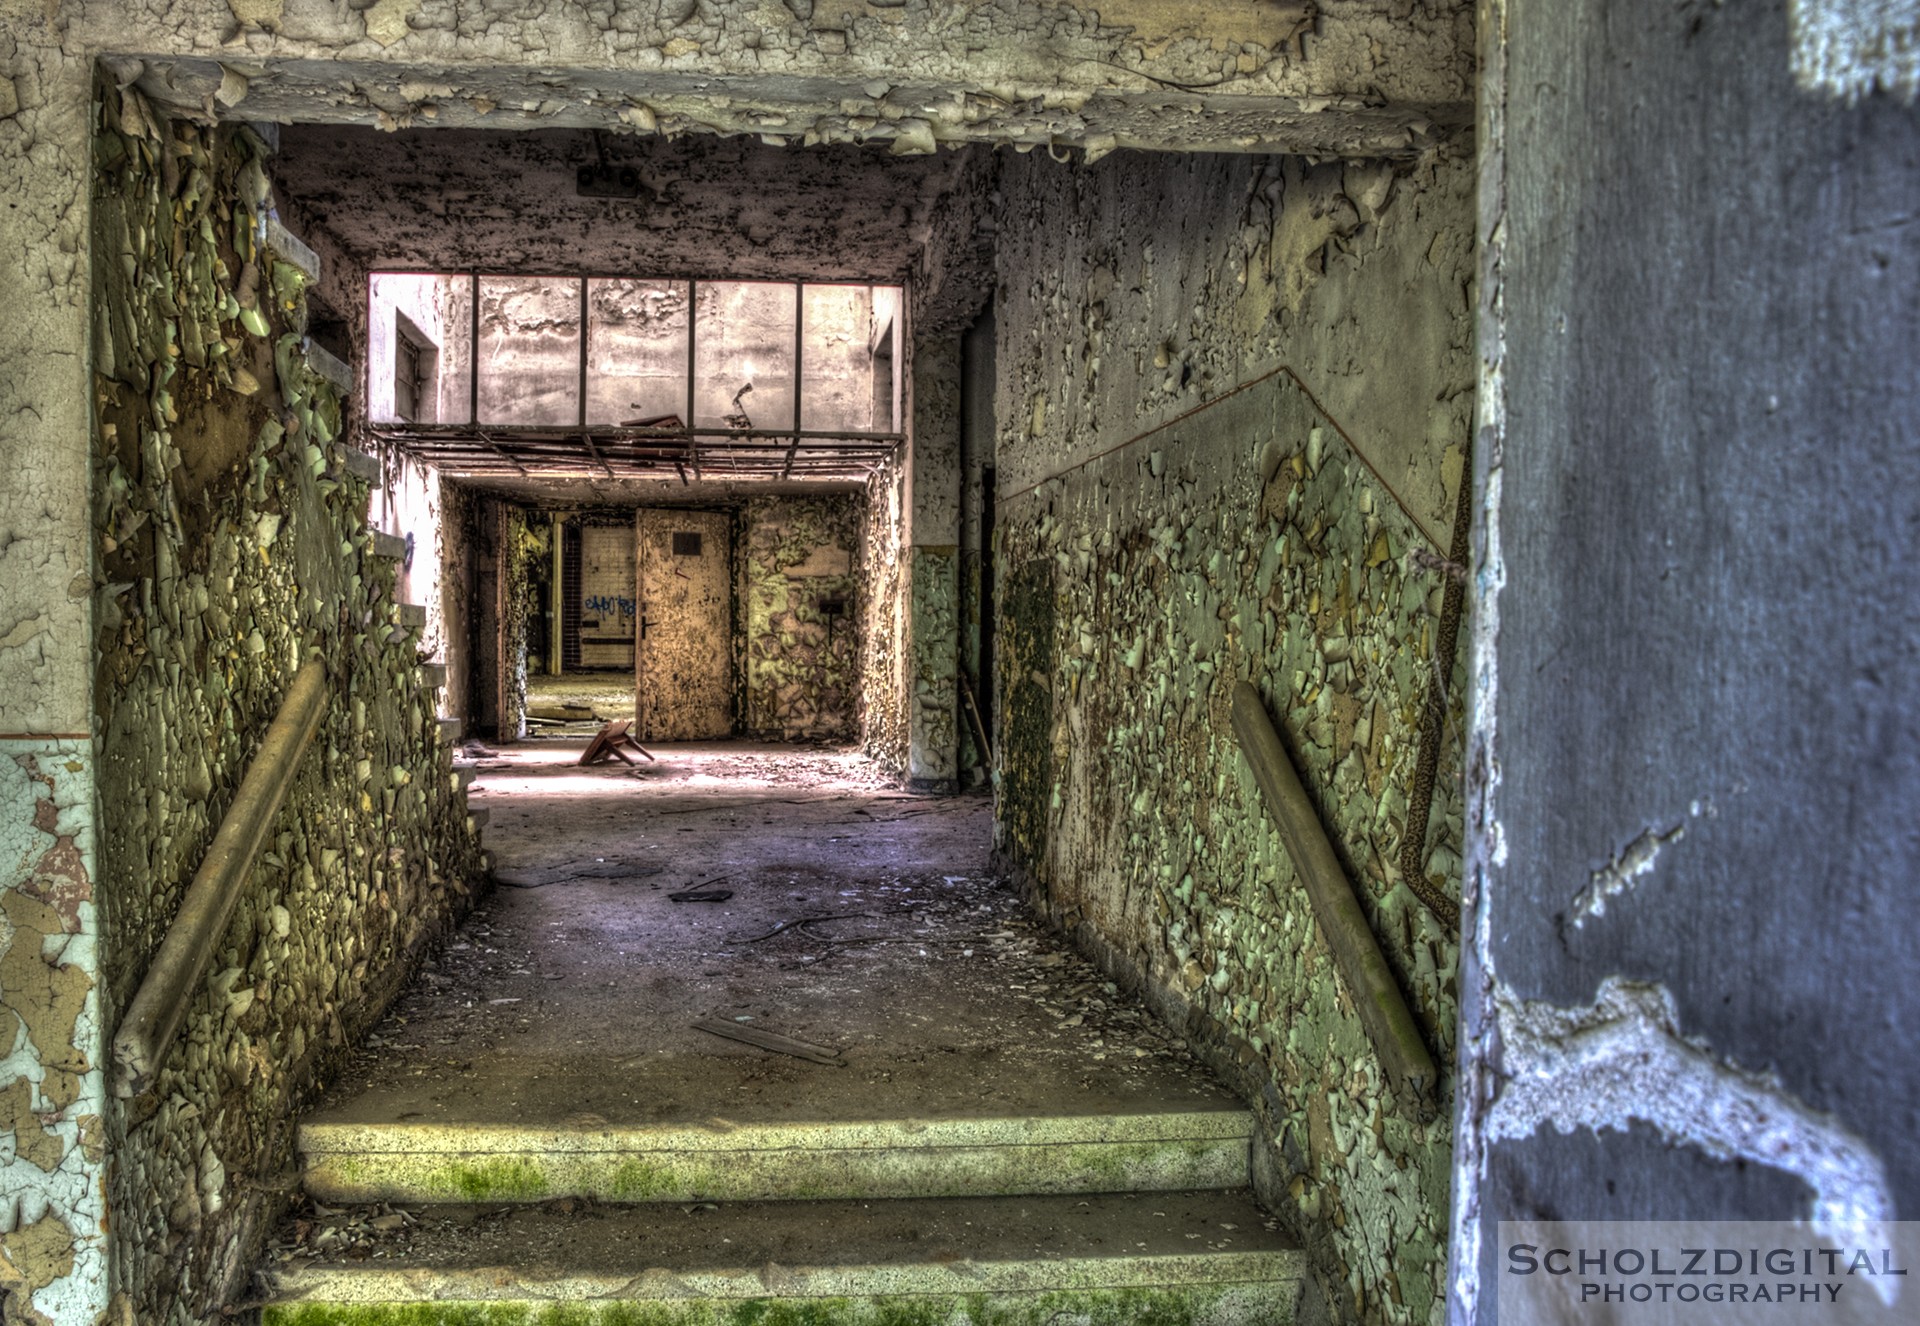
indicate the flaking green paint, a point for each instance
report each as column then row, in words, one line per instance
column 792, row 1175
column 231, row 541
column 1209, row 520
column 801, row 661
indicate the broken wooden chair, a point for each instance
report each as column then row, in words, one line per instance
column 613, row 741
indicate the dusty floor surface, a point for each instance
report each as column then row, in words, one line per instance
column 609, row 694
column 860, row 919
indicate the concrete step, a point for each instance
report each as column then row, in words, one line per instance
column 719, row 1160
column 413, row 616
column 390, row 546
column 463, row 776
column 433, row 676
column 362, row 466
column 450, row 730
column 477, row 817
column 1205, row 1259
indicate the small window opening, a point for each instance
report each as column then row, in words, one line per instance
column 414, row 394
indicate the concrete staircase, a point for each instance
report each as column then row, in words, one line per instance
column 525, row 1207
column 1030, row 1221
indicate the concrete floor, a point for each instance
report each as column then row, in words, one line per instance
column 608, row 693
column 861, row 919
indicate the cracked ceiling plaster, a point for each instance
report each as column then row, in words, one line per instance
column 731, row 207
column 1324, row 79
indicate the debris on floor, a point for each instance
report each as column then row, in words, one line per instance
column 770, row 1040
column 613, row 742
column 600, row 871
column 861, row 917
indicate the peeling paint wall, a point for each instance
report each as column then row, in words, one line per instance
column 933, row 571
column 1220, row 379
column 885, row 557
column 797, row 560
column 231, row 543
column 976, row 569
column 53, row 1227
column 918, row 684
column 519, row 546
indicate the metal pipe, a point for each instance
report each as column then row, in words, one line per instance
column 581, row 412
column 473, row 350
column 1389, row 1023
column 799, row 364
column 693, row 331
column 153, row 1019
column 556, row 597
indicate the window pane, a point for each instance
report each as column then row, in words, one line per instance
column 636, row 350
column 743, row 348
column 529, row 350
column 435, row 314
column 836, row 361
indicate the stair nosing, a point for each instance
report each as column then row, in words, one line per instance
column 502, row 1283
column 324, row 1138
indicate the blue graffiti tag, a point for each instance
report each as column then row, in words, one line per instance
column 608, row 603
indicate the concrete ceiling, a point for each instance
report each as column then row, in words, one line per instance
column 452, row 199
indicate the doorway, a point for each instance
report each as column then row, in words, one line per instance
column 683, row 665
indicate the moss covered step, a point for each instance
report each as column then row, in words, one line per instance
column 721, row 1161
column 1166, row 1259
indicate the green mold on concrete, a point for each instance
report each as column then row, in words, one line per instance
column 785, row 1174
column 642, row 1180
column 495, row 1181
column 1229, row 1305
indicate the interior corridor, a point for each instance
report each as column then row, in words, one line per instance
column 1288, row 627
column 541, row 1110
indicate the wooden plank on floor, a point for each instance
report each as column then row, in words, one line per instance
column 770, row 1040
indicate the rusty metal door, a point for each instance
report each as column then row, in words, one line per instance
column 683, row 682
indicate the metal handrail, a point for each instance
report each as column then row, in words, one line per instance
column 153, row 1019
column 1382, row 1009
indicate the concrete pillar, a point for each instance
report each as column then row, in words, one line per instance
column 53, row 1243
column 933, row 505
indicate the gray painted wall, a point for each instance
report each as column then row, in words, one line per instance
column 1700, row 473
